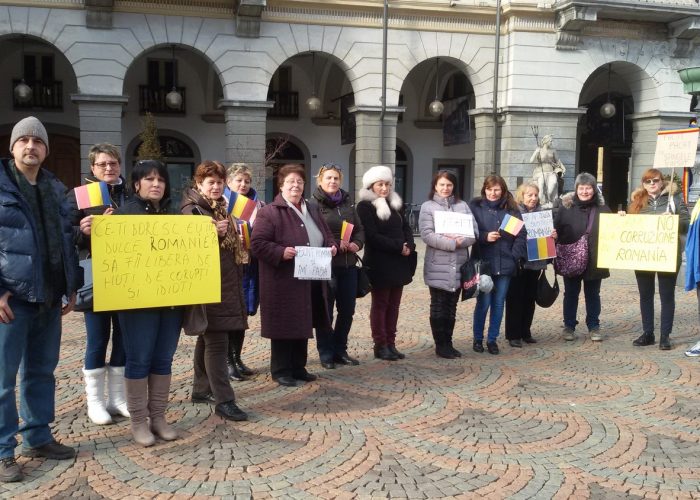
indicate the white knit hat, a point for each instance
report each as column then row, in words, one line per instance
column 30, row 127
column 378, row 173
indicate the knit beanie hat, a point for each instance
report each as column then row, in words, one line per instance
column 29, row 126
column 378, row 173
column 587, row 179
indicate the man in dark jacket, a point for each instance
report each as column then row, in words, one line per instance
column 38, row 272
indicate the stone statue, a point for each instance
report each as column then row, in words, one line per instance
column 546, row 173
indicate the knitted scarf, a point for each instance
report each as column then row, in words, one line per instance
column 230, row 241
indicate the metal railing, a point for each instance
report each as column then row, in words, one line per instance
column 286, row 104
column 46, row 95
column 152, row 100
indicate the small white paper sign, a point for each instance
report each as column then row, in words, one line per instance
column 676, row 148
column 538, row 224
column 312, row 263
column 454, row 223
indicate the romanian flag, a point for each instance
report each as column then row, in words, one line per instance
column 686, row 182
column 511, row 225
column 244, row 231
column 541, row 248
column 240, row 206
column 95, row 194
column 346, row 231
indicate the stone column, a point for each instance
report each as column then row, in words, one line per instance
column 518, row 141
column 100, row 121
column 246, row 127
column 484, row 164
column 644, row 129
column 368, row 132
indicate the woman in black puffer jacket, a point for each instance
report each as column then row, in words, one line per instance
column 337, row 207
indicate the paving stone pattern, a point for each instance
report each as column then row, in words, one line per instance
column 551, row 420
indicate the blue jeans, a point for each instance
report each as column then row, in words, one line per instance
column 495, row 301
column 667, row 291
column 343, row 296
column 99, row 326
column 150, row 340
column 591, row 291
column 29, row 345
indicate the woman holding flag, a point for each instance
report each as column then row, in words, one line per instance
column 211, row 384
column 105, row 165
column 338, row 210
column 501, row 243
column 244, row 202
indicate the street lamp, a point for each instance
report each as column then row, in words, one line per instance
column 22, row 91
column 173, row 99
column 436, row 107
column 313, row 103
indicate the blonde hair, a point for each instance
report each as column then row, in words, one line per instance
column 325, row 168
column 238, row 169
column 520, row 192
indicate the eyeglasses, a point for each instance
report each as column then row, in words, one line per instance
column 103, row 165
column 649, row 182
column 291, row 182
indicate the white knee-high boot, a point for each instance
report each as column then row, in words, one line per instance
column 95, row 391
column 116, row 399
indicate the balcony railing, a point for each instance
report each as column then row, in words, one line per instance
column 46, row 95
column 152, row 100
column 286, row 104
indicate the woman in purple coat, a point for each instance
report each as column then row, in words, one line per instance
column 289, row 308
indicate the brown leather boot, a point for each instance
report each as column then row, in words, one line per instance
column 137, row 403
column 158, row 394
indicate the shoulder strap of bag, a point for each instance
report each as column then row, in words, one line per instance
column 591, row 215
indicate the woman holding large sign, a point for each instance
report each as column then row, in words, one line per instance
column 150, row 335
column 504, row 249
column 390, row 255
column 447, row 248
column 657, row 196
column 578, row 217
column 229, row 317
column 289, row 307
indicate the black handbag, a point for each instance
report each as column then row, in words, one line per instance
column 546, row 294
column 363, row 284
column 83, row 296
column 470, row 273
column 194, row 320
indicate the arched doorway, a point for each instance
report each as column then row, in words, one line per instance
column 609, row 137
column 280, row 151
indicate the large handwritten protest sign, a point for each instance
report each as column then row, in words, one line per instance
column 641, row 242
column 144, row 261
column 538, row 224
column 454, row 223
column 312, row 263
column 676, row 148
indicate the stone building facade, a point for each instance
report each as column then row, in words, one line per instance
column 245, row 70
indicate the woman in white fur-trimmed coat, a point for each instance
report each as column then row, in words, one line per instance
column 390, row 256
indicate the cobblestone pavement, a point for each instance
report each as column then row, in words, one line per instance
column 551, row 420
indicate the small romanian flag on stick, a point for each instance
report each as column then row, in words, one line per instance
column 244, row 231
column 95, row 194
column 346, row 231
column 240, row 206
column 541, row 248
column 511, row 225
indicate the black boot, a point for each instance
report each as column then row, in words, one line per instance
column 449, row 330
column 665, row 342
column 383, row 352
column 239, row 336
column 233, row 372
column 393, row 350
column 437, row 326
column 644, row 339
